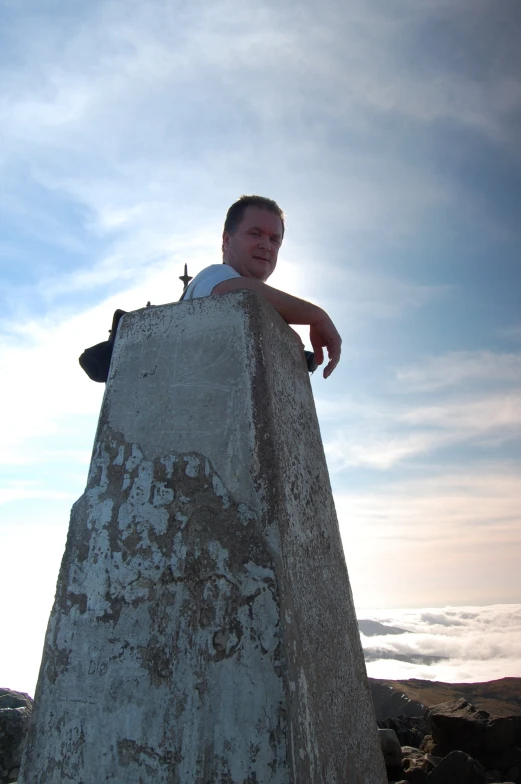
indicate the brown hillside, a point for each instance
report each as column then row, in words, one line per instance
column 500, row 698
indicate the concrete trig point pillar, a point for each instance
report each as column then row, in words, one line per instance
column 203, row 630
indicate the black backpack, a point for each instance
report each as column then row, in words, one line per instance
column 95, row 360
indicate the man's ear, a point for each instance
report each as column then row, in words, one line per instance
column 226, row 241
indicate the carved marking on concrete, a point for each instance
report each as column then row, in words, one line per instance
column 188, row 381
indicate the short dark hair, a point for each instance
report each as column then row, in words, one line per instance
column 236, row 212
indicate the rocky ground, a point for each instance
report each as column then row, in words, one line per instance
column 452, row 743
column 412, row 697
column 425, row 739
column 450, row 733
column 15, row 712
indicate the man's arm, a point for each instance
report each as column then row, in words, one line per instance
column 322, row 331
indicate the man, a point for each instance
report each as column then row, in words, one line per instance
column 252, row 236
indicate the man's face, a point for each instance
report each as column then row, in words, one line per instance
column 253, row 248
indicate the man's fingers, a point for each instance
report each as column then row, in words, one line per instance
column 333, row 351
column 321, row 334
column 331, row 365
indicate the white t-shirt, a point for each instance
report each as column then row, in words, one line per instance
column 203, row 283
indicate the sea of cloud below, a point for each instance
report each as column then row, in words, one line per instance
column 450, row 644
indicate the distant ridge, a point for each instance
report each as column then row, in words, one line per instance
column 374, row 628
column 410, row 697
column 374, row 654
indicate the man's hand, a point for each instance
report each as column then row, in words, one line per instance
column 323, row 333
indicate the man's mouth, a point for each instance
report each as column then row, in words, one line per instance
column 260, row 258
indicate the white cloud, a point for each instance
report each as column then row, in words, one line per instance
column 490, row 421
column 468, row 398
column 379, row 450
column 35, row 549
column 19, row 490
column 448, row 505
column 452, row 536
column 385, row 435
column 49, row 393
column 354, row 51
column 476, row 643
column 130, row 123
column 513, row 332
column 456, row 367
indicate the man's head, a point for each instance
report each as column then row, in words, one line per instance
column 252, row 236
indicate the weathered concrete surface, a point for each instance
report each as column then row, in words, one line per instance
column 203, row 629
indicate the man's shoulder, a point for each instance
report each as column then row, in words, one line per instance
column 206, row 280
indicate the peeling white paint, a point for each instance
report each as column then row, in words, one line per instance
column 135, row 459
column 169, row 463
column 162, row 495
column 192, row 465
column 120, row 456
column 220, row 490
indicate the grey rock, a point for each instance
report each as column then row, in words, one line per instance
column 458, row 725
column 15, row 712
column 511, row 758
column 15, row 699
column 416, row 773
column 412, row 752
column 391, row 748
column 417, row 766
column 410, row 729
column 389, row 701
column 458, row 768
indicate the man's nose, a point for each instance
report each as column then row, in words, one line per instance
column 264, row 243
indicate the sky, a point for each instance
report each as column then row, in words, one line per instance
column 391, row 136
